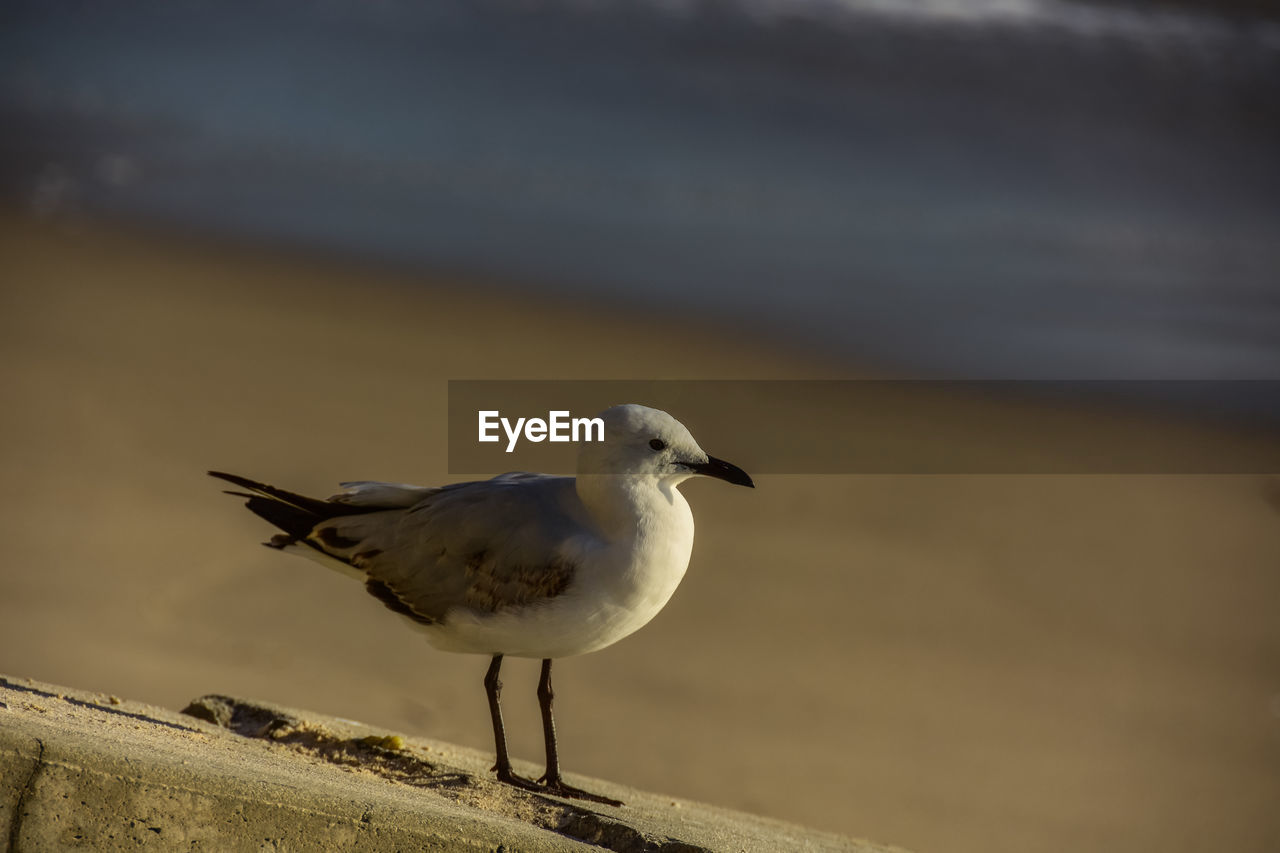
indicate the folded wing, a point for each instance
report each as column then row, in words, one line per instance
column 424, row 551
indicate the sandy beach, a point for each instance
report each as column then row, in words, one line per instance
column 948, row 663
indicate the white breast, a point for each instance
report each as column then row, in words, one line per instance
column 617, row 589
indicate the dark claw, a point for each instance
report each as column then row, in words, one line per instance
column 560, row 788
column 515, row 780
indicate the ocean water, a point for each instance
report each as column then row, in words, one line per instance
column 986, row 190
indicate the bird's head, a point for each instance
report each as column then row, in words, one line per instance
column 649, row 442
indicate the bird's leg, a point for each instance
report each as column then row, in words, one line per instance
column 545, row 695
column 554, row 783
column 493, row 687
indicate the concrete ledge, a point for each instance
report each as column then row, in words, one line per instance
column 96, row 772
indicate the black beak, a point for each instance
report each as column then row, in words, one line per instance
column 722, row 470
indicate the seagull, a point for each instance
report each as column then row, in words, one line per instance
column 523, row 565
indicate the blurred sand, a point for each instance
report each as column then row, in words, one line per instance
column 946, row 663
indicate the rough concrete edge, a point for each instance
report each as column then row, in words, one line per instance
column 86, row 770
column 476, row 811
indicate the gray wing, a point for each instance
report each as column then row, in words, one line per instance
column 482, row 546
column 372, row 493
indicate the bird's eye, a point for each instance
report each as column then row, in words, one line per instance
column 658, row 444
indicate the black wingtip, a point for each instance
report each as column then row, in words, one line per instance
column 242, row 482
column 295, row 514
